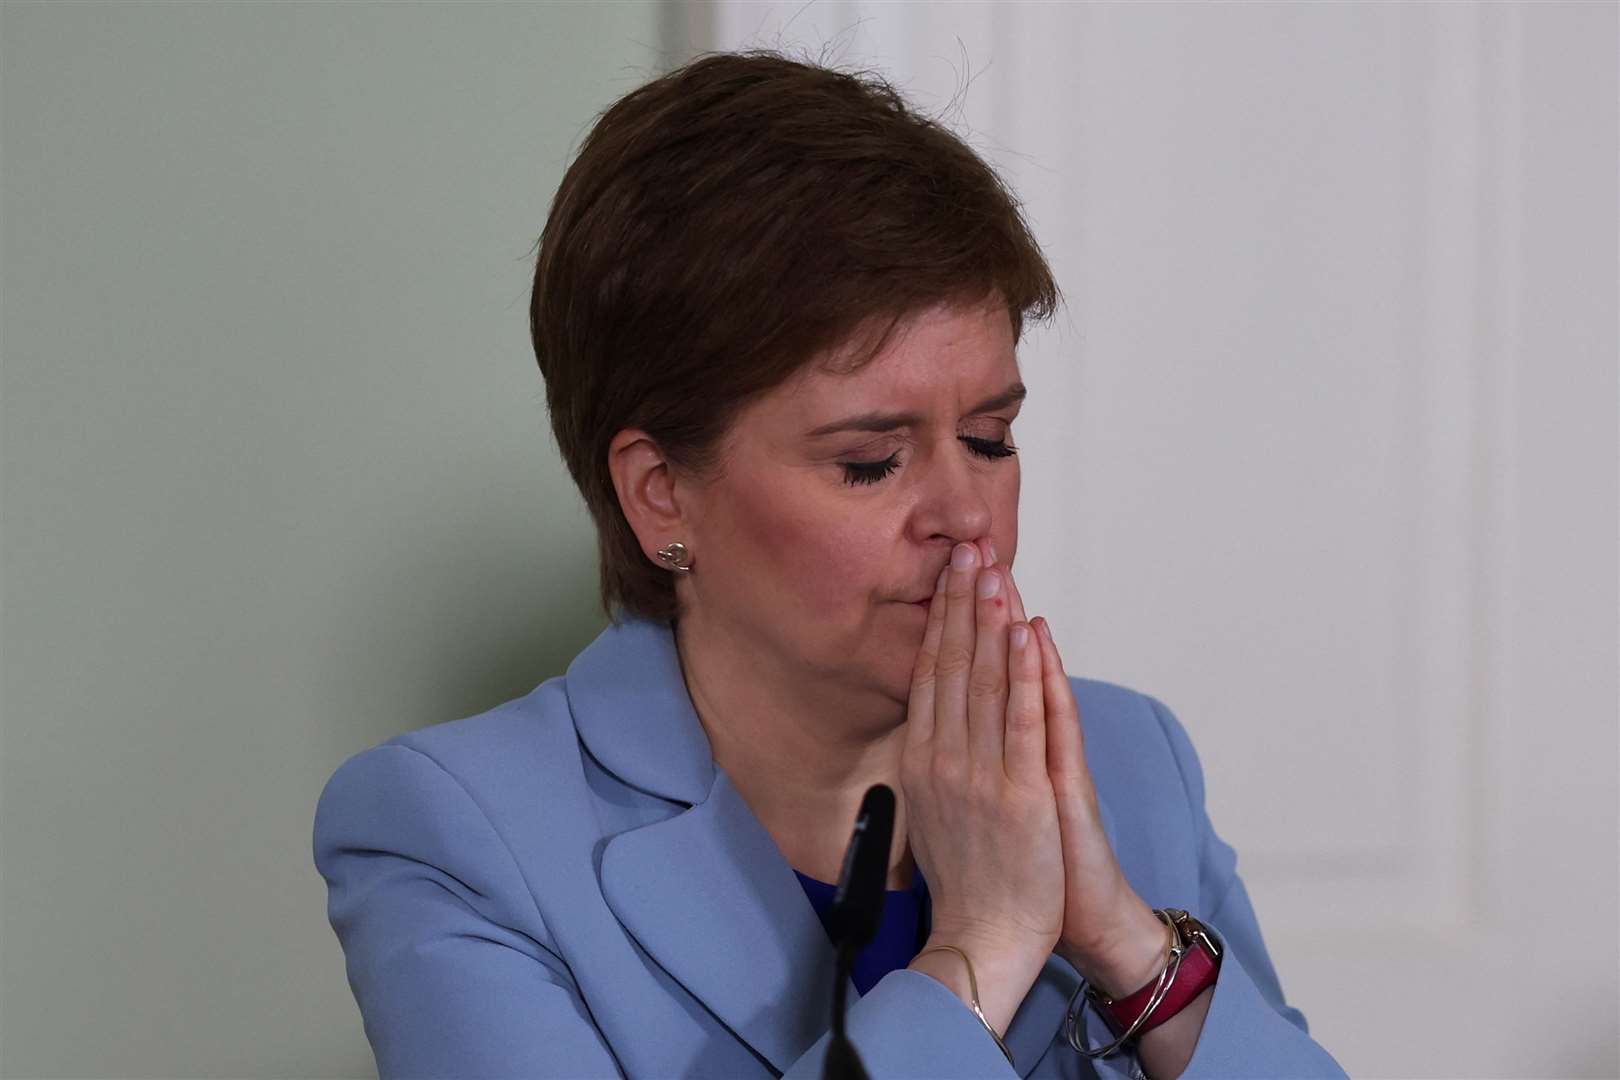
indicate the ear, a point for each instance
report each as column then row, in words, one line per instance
column 645, row 483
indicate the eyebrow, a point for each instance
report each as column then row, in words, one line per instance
column 881, row 421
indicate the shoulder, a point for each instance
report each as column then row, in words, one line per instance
column 1134, row 742
column 472, row 758
column 536, row 727
column 1118, row 714
column 1151, row 789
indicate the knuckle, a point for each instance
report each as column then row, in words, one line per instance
column 922, row 673
column 953, row 660
column 984, row 685
column 1069, row 771
column 1023, row 713
column 1023, row 720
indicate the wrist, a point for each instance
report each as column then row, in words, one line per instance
column 1124, row 960
column 1003, row 974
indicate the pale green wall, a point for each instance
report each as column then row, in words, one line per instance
column 278, row 482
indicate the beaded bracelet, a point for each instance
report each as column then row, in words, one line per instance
column 973, row 989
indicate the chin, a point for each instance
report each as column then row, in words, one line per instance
column 895, row 678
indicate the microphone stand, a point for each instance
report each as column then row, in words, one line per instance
column 842, row 1062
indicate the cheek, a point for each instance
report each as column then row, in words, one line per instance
column 805, row 553
column 824, row 558
column 1008, row 512
column 1004, row 514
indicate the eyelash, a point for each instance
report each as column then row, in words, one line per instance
column 870, row 472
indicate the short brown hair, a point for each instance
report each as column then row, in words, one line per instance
column 726, row 224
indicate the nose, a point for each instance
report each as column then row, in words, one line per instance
column 953, row 504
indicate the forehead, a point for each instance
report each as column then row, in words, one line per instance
column 944, row 355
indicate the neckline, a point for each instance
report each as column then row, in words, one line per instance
column 917, row 885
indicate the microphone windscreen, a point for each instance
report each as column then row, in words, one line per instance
column 857, row 906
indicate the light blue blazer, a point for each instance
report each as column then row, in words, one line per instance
column 568, row 886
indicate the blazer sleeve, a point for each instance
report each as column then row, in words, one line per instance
column 422, row 893
column 911, row 1026
column 456, row 976
column 1250, row 1031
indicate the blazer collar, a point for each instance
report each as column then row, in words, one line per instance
column 706, row 891
column 632, row 711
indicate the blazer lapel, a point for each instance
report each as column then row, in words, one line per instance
column 705, row 891
column 709, row 896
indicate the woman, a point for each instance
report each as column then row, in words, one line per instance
column 776, row 312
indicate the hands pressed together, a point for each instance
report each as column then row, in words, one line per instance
column 1002, row 816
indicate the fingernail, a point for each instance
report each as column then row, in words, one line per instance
column 989, row 583
column 962, row 556
column 1046, row 632
column 991, row 545
column 1020, row 636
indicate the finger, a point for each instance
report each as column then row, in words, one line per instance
column 1065, row 745
column 1025, row 753
column 1015, row 604
column 987, row 681
column 954, row 659
column 920, row 705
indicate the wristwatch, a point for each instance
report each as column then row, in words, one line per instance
column 1200, row 963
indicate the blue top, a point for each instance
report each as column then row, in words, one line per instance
column 902, row 932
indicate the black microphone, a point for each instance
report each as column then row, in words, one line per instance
column 853, row 919
column 857, row 906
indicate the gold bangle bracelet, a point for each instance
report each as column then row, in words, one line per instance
column 973, row 990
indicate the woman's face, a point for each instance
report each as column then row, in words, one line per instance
column 841, row 495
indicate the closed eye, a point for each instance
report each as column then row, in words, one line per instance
column 870, row 472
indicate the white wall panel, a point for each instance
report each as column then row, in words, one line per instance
column 1327, row 423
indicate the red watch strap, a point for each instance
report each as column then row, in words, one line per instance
column 1199, row 966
